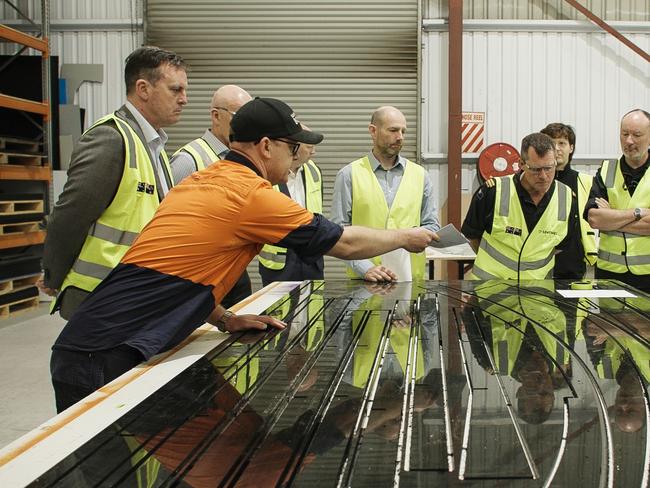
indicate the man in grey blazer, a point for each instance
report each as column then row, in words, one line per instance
column 119, row 172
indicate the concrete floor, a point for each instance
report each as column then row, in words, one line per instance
column 25, row 388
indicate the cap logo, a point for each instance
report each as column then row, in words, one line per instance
column 293, row 116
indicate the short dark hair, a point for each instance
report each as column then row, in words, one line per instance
column 145, row 62
column 647, row 115
column 542, row 144
column 559, row 130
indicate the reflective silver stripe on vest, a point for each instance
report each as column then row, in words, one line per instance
column 314, row 173
column 611, row 174
column 561, row 197
column 206, row 159
column 276, row 258
column 608, row 371
column 133, row 163
column 511, row 264
column 91, row 269
column 615, row 233
column 623, row 260
column 504, row 204
column 111, row 234
column 482, row 274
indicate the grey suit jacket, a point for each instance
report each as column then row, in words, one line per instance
column 94, row 176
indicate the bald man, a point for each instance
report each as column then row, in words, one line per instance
column 619, row 206
column 384, row 190
column 213, row 146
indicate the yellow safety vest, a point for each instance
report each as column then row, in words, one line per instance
column 588, row 236
column 621, row 252
column 510, row 251
column 201, row 152
column 275, row 257
column 369, row 341
column 369, row 207
column 505, row 310
column 133, row 206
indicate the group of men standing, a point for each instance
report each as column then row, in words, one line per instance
column 188, row 263
column 539, row 223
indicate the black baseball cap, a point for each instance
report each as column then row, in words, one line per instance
column 272, row 118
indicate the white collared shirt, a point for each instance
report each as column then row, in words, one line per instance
column 297, row 187
column 156, row 140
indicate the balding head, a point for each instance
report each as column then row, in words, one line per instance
column 226, row 101
column 387, row 129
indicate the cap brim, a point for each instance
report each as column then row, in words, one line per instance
column 307, row 137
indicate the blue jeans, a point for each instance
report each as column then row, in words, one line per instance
column 77, row 374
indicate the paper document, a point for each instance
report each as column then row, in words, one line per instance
column 449, row 236
column 459, row 251
column 399, row 262
column 596, row 294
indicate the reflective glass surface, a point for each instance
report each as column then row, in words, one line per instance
column 420, row 384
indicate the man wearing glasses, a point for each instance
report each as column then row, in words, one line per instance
column 213, row 146
column 516, row 223
column 619, row 206
column 204, row 234
column 304, row 186
column 572, row 263
column 384, row 190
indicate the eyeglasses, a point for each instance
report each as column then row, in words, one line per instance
column 540, row 169
column 293, row 145
column 225, row 110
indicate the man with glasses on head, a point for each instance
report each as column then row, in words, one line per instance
column 517, row 223
column 619, row 206
column 211, row 147
column 384, row 190
column 572, row 263
column 304, row 186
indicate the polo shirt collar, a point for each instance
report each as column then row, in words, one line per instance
column 236, row 157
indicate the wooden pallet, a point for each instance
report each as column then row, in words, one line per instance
column 18, row 207
column 24, row 152
column 13, row 308
column 19, row 228
column 17, row 284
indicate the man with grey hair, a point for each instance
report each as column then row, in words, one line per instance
column 213, row 146
column 516, row 223
column 384, row 190
column 619, row 206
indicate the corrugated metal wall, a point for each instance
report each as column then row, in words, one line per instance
column 632, row 10
column 334, row 62
column 524, row 80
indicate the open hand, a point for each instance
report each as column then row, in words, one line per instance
column 250, row 321
column 379, row 273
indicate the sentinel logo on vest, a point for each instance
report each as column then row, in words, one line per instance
column 550, row 232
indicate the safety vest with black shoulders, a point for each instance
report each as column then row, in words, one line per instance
column 370, row 209
column 275, row 257
column 511, row 251
column 201, row 152
column 587, row 234
column 620, row 252
column 132, row 207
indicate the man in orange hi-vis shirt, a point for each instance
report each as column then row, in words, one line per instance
column 202, row 237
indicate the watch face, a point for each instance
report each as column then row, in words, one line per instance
column 637, row 213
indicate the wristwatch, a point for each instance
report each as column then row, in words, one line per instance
column 637, row 213
column 221, row 323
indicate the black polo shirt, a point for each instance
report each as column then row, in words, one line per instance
column 631, row 177
column 570, row 263
column 480, row 215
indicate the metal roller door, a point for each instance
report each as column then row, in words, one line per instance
column 334, row 62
